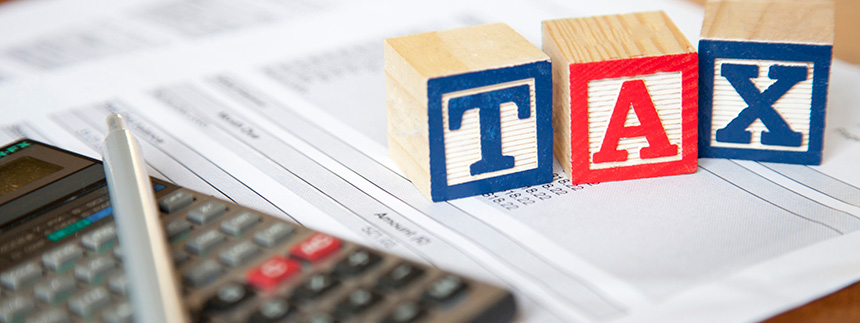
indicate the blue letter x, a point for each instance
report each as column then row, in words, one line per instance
column 760, row 104
column 488, row 104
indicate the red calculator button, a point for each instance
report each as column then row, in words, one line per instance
column 316, row 247
column 272, row 272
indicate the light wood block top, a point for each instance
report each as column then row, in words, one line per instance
column 780, row 21
column 603, row 38
column 462, row 50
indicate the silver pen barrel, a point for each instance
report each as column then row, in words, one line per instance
column 154, row 291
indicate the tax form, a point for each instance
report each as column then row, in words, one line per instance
column 280, row 106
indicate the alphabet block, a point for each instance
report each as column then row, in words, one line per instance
column 765, row 67
column 625, row 97
column 469, row 110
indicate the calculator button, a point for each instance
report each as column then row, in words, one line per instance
column 238, row 224
column 320, row 318
column 118, row 284
column 54, row 315
column 356, row 302
column 202, row 243
column 315, row 286
column 275, row 310
column 444, row 289
column 20, row 276
column 239, row 254
column 16, row 308
column 176, row 227
column 93, row 271
column 274, row 234
column 357, row 262
column 227, row 297
column 175, row 201
column 179, row 257
column 272, row 272
column 405, row 313
column 62, row 258
column 399, row 276
column 121, row 313
column 316, row 247
column 117, row 252
column 89, row 302
column 207, row 212
column 55, row 289
column 202, row 274
column 99, row 238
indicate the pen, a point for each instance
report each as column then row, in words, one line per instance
column 153, row 290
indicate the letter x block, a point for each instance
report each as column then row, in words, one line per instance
column 765, row 66
column 625, row 97
column 469, row 110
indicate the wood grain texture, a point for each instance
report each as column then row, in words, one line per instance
column 463, row 145
column 457, row 51
column 602, row 38
column 759, row 116
column 793, row 106
column 840, row 306
column 407, row 133
column 560, row 100
column 665, row 91
column 780, row 21
column 425, row 72
column 592, row 57
column 583, row 170
column 847, row 42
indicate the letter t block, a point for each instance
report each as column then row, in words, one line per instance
column 625, row 97
column 765, row 66
column 469, row 110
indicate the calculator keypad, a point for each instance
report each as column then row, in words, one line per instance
column 316, row 247
column 54, row 315
column 87, row 303
column 53, row 290
column 99, row 238
column 273, row 310
column 203, row 273
column 21, row 276
column 235, row 265
column 239, row 224
column 62, row 258
column 207, row 212
column 175, row 201
column 205, row 242
column 272, row 272
column 16, row 308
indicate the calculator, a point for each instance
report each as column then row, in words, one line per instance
column 60, row 260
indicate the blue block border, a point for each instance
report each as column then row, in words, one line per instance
column 819, row 55
column 542, row 74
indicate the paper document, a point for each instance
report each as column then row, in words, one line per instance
column 280, row 106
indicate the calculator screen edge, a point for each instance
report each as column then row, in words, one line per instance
column 77, row 173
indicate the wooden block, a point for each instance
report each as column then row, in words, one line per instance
column 625, row 97
column 469, row 110
column 765, row 66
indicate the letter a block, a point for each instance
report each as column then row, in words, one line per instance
column 469, row 110
column 765, row 66
column 625, row 97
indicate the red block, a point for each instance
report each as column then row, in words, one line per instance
column 606, row 158
column 625, row 97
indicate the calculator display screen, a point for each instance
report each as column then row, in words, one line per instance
column 23, row 171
